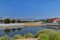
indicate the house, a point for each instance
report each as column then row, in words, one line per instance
column 1, row 20
column 54, row 20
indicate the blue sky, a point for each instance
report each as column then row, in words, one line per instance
column 33, row 9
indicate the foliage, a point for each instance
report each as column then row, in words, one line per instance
column 18, row 36
column 43, row 37
column 28, row 35
column 7, row 20
column 48, row 35
column 46, row 20
column 13, row 21
column 11, row 38
column 45, row 31
column 18, row 21
column 4, row 37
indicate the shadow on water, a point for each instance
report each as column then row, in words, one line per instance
column 19, row 29
column 13, row 29
column 7, row 31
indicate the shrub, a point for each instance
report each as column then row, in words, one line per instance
column 47, row 35
column 4, row 37
column 58, row 35
column 44, row 31
column 43, row 37
column 18, row 36
column 11, row 38
column 28, row 35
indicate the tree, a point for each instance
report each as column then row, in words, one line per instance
column 13, row 21
column 7, row 20
column 18, row 21
column 47, row 20
column 28, row 35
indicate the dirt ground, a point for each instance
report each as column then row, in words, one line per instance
column 28, row 39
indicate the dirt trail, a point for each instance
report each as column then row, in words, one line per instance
column 28, row 39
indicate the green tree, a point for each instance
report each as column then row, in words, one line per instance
column 28, row 35
column 18, row 21
column 7, row 20
column 46, row 20
column 13, row 21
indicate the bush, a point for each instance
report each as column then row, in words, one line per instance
column 43, row 37
column 18, row 36
column 44, row 31
column 28, row 35
column 11, row 38
column 4, row 37
column 47, row 35
column 58, row 35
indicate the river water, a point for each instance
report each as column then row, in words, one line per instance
column 11, row 32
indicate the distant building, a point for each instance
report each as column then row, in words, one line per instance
column 54, row 20
column 1, row 20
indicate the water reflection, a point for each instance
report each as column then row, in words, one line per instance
column 19, row 29
column 13, row 31
column 7, row 31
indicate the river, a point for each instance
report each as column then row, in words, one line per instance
column 13, row 31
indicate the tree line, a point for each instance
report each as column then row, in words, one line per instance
column 7, row 20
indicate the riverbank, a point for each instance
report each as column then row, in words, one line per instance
column 19, row 25
column 33, row 24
